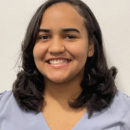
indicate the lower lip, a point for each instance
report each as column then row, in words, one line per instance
column 58, row 65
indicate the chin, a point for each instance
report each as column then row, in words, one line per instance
column 58, row 80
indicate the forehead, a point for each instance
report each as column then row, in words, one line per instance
column 62, row 15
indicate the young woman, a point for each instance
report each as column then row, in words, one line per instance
column 65, row 83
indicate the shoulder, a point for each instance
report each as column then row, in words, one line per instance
column 4, row 96
column 119, row 110
column 1, row 94
column 11, row 113
column 12, row 117
column 6, row 100
column 120, row 106
column 8, row 103
column 116, row 116
column 121, row 102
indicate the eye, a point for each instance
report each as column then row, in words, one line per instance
column 70, row 36
column 44, row 37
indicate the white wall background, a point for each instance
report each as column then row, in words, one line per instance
column 113, row 17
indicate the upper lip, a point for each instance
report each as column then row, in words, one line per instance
column 57, row 58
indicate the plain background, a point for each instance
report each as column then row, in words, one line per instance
column 112, row 15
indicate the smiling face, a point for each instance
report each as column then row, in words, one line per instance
column 62, row 46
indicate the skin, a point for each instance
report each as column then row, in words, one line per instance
column 62, row 83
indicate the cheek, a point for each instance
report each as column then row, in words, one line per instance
column 38, row 52
column 79, row 50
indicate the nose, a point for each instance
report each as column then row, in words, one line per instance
column 56, row 46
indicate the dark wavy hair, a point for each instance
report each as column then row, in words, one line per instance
column 98, row 86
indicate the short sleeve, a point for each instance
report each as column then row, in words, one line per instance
column 127, row 97
column 126, row 118
column 126, row 122
column 1, row 95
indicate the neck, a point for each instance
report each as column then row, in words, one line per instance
column 61, row 93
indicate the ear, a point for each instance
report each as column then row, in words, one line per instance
column 91, row 49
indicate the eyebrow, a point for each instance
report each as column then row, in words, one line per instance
column 70, row 30
column 44, row 30
column 63, row 30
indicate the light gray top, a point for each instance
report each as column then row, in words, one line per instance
column 116, row 117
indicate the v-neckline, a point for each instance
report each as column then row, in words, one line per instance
column 85, row 115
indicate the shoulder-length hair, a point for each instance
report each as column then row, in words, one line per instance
column 98, row 86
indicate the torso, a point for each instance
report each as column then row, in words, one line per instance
column 61, row 119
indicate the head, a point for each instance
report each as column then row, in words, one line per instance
column 94, row 57
column 97, row 81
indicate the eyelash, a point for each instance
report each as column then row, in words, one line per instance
column 45, row 37
column 41, row 37
column 72, row 36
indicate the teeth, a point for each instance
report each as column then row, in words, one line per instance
column 58, row 61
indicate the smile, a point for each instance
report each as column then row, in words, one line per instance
column 58, row 61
